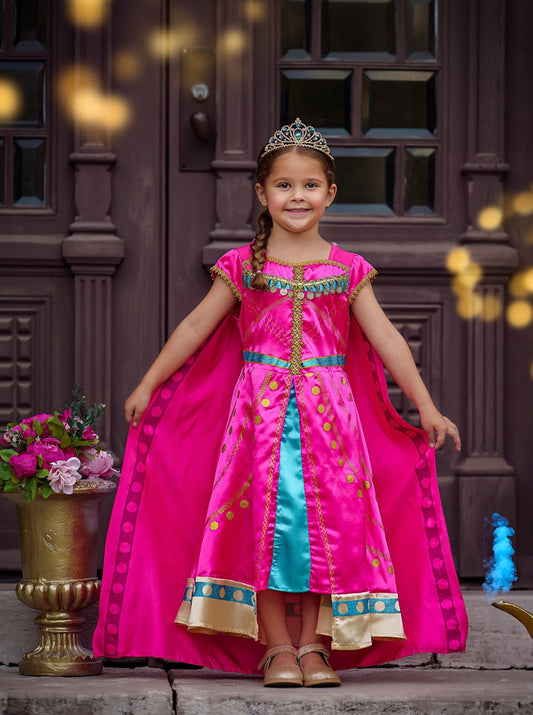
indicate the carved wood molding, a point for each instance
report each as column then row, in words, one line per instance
column 485, row 167
column 93, row 250
column 234, row 163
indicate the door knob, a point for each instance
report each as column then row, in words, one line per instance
column 201, row 126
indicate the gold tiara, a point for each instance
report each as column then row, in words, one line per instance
column 297, row 134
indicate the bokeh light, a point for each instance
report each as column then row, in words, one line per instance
column 470, row 276
column 527, row 280
column 469, row 305
column 92, row 108
column 458, row 259
column 164, row 44
column 492, row 308
column 516, row 286
column 233, row 41
column 127, row 65
column 82, row 98
column 523, row 203
column 255, row 10
column 519, row 314
column 490, row 218
column 88, row 13
column 10, row 100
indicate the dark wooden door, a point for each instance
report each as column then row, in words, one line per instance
column 386, row 83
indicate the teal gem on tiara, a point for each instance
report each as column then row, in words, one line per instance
column 297, row 134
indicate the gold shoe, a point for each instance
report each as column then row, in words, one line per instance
column 281, row 676
column 318, row 675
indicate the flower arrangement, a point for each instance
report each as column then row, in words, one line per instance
column 53, row 452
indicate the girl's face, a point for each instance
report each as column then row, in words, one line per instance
column 296, row 193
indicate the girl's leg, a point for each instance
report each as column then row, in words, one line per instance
column 310, row 603
column 273, row 615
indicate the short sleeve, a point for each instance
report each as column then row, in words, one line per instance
column 361, row 273
column 229, row 268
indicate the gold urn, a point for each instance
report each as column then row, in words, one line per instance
column 58, row 539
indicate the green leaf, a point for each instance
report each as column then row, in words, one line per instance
column 6, row 454
column 46, row 490
column 6, row 472
column 12, row 486
column 30, row 490
column 42, row 473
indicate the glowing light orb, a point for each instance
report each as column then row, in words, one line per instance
column 164, row 43
column 87, row 13
column 92, row 108
column 458, row 259
column 469, row 306
column 126, row 65
column 233, row 42
column 255, row 10
column 527, row 280
column 516, row 286
column 10, row 100
column 470, row 277
column 490, row 218
column 523, row 203
column 492, row 308
column 519, row 314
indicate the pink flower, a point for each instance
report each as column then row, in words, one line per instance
column 23, row 465
column 96, row 464
column 40, row 418
column 89, row 434
column 50, row 450
column 64, row 474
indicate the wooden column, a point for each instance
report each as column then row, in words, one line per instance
column 486, row 481
column 93, row 249
column 235, row 161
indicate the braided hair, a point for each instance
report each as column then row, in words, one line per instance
column 264, row 167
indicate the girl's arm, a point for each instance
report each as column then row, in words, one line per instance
column 184, row 341
column 397, row 358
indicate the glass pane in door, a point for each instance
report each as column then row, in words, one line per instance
column 358, row 28
column 296, row 29
column 29, row 80
column 365, row 177
column 398, row 103
column 420, row 29
column 30, row 25
column 419, row 180
column 319, row 97
column 29, row 173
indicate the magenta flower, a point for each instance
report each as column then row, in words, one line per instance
column 42, row 417
column 23, row 465
column 49, row 449
column 89, row 434
column 64, row 474
column 96, row 464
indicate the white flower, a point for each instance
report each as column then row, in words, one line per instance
column 64, row 474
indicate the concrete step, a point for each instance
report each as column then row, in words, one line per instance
column 373, row 691
column 494, row 675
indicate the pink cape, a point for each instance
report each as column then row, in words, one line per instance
column 162, row 500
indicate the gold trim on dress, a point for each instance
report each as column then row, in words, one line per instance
column 354, row 620
column 367, row 279
column 217, row 271
column 215, row 605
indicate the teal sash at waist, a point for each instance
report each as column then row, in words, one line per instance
column 326, row 361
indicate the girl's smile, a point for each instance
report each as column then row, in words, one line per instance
column 296, row 193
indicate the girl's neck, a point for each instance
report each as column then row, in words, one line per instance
column 298, row 248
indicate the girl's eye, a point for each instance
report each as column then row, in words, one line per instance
column 312, row 185
column 283, row 185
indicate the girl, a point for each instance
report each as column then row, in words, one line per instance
column 313, row 495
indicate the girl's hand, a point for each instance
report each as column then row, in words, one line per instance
column 435, row 423
column 136, row 405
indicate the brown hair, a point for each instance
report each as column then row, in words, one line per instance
column 264, row 167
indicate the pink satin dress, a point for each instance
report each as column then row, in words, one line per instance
column 274, row 460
